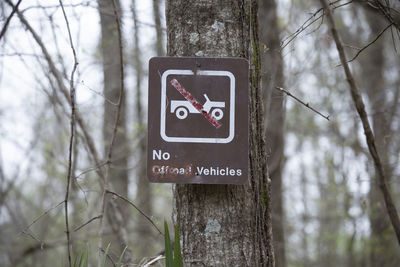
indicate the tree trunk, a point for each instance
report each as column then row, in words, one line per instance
column 118, row 174
column 143, row 194
column 224, row 225
column 157, row 22
column 272, row 76
column 384, row 250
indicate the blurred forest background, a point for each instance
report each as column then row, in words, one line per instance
column 327, row 207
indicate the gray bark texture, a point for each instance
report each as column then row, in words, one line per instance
column 224, row 225
column 272, row 76
column 118, row 174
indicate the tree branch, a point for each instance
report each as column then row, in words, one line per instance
column 303, row 103
column 71, row 141
column 40, row 216
column 59, row 79
column 136, row 207
column 86, row 223
column 308, row 22
column 358, row 101
column 3, row 31
column 370, row 43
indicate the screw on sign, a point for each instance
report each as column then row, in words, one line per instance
column 198, row 120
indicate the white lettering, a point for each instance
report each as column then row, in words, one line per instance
column 216, row 171
column 159, row 155
column 199, row 170
column 156, row 169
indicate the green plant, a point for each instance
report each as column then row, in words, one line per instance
column 172, row 259
column 83, row 259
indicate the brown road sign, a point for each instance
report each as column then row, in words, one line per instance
column 198, row 120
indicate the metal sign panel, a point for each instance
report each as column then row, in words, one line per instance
column 198, row 120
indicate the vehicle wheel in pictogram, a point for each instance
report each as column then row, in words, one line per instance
column 181, row 113
column 217, row 113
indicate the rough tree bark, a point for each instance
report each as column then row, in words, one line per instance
column 118, row 174
column 224, row 225
column 274, row 113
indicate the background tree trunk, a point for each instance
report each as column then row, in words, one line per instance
column 143, row 193
column 274, row 113
column 157, row 22
column 224, row 225
column 384, row 247
column 118, row 175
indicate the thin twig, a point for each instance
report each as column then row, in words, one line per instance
column 86, row 223
column 89, row 142
column 100, row 94
column 83, row 4
column 59, row 79
column 308, row 22
column 384, row 10
column 41, row 215
column 136, row 207
column 359, row 103
column 370, row 43
column 302, row 102
column 90, row 170
column 71, row 141
column 3, row 31
column 41, row 242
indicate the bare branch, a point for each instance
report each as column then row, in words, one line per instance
column 83, row 4
column 308, row 22
column 86, row 223
column 3, row 31
column 359, row 103
column 136, row 207
column 59, row 79
column 71, row 141
column 40, row 216
column 99, row 94
column 370, row 43
column 302, row 102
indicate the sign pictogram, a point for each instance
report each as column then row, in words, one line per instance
column 198, row 120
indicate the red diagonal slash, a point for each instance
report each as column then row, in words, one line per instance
column 195, row 103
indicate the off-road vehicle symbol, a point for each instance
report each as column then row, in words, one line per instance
column 181, row 108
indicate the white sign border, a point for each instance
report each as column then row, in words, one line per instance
column 197, row 139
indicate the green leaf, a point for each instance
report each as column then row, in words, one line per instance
column 178, row 262
column 103, row 262
column 76, row 260
column 121, row 257
column 85, row 257
column 169, row 260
